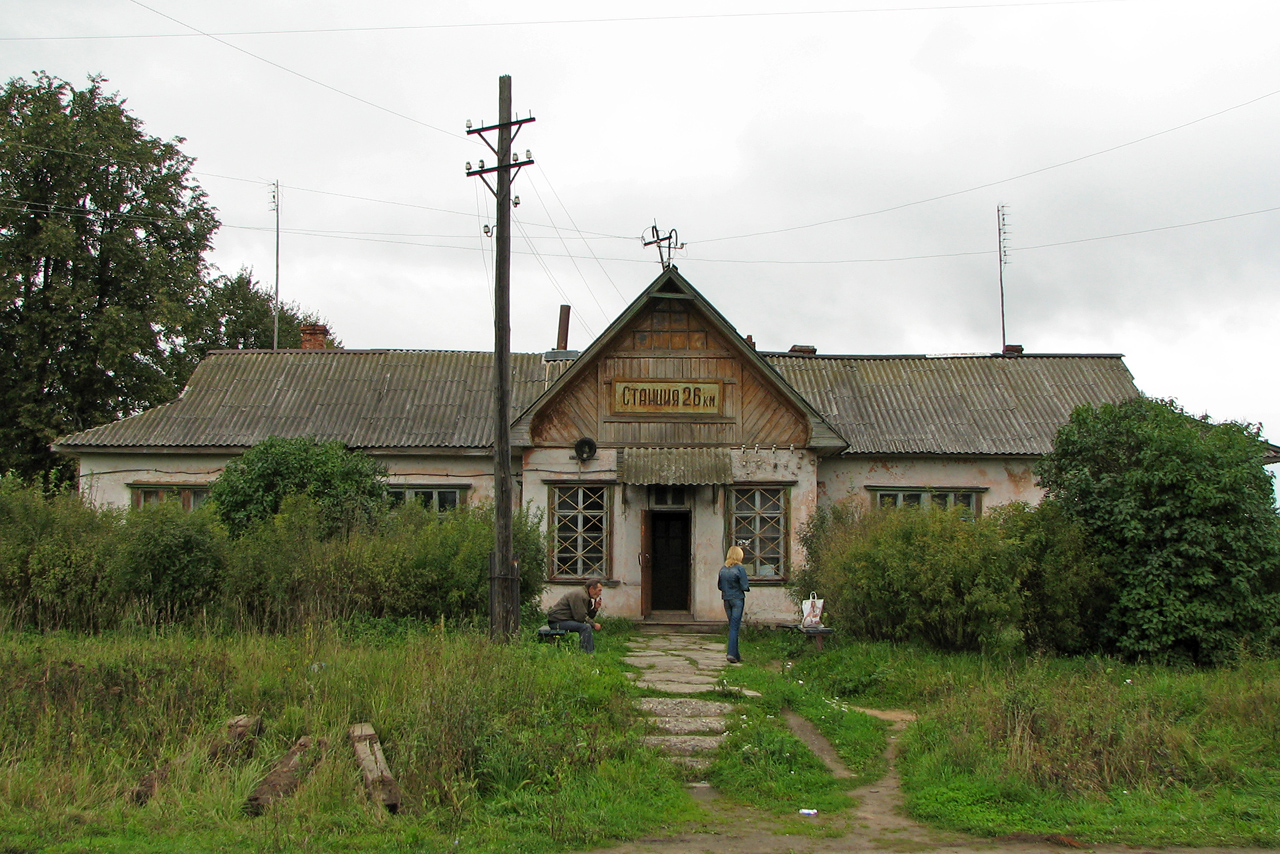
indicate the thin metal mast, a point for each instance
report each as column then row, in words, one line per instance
column 275, row 302
column 1002, row 228
column 504, row 575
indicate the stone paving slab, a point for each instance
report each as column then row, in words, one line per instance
column 675, row 687
column 684, row 745
column 672, row 707
column 686, row 677
column 689, row 725
column 694, row 763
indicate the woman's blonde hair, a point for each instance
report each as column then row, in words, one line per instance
column 733, row 557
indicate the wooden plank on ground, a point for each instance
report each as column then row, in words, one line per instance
column 285, row 776
column 378, row 781
column 149, row 785
column 239, row 739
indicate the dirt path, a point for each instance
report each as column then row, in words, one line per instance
column 876, row 824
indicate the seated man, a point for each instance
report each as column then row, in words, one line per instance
column 575, row 611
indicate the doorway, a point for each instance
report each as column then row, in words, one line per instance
column 671, row 547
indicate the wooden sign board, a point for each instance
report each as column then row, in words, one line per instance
column 666, row 397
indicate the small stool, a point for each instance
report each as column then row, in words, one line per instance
column 816, row 633
column 546, row 634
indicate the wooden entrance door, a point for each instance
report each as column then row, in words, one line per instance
column 670, row 550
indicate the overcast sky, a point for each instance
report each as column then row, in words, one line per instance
column 834, row 170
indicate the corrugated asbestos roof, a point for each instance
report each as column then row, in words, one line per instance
column 688, row 466
column 365, row 398
column 953, row 404
column 441, row 399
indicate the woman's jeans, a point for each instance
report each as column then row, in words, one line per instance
column 733, row 610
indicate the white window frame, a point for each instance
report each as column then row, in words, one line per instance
column 428, row 495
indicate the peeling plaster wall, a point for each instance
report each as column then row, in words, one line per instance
column 1005, row 479
column 105, row 478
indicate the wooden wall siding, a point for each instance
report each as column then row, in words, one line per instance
column 671, row 341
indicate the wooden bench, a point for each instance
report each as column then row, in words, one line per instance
column 816, row 634
column 546, row 634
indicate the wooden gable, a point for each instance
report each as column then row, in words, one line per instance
column 670, row 376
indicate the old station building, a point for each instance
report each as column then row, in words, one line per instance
column 666, row 441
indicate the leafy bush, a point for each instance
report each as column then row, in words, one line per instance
column 417, row 564
column 1184, row 509
column 66, row 564
column 54, row 553
column 1067, row 585
column 169, row 559
column 348, row 486
column 445, row 570
column 942, row 578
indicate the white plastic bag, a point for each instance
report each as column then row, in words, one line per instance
column 811, row 612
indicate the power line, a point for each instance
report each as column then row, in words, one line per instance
column 25, row 206
column 880, row 10
column 581, row 235
column 1002, row 180
column 573, row 260
column 538, row 256
column 1147, row 230
column 298, row 74
column 542, row 171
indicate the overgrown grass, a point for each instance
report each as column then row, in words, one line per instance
column 525, row 747
column 1087, row 747
column 1106, row 752
column 535, row 748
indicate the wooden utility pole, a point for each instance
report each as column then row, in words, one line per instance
column 504, row 575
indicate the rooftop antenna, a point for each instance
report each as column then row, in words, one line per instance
column 275, row 302
column 667, row 243
column 1002, row 225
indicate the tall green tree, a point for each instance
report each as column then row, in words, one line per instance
column 102, row 240
column 106, row 302
column 1184, row 508
column 236, row 313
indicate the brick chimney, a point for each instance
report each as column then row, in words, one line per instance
column 803, row 350
column 314, row 336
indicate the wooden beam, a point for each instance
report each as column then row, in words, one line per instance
column 149, row 785
column 239, row 740
column 378, row 781
column 285, row 776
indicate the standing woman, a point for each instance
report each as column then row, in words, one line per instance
column 733, row 589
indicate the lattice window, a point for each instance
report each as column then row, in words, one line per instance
column 759, row 528
column 579, row 530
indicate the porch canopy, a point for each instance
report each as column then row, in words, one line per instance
column 675, row 466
